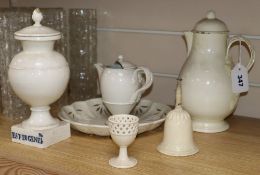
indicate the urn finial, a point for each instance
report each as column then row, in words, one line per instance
column 37, row 17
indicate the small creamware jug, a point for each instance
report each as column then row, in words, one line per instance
column 122, row 85
column 206, row 75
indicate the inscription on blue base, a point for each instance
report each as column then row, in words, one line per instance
column 29, row 138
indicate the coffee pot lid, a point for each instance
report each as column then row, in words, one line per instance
column 37, row 32
column 210, row 24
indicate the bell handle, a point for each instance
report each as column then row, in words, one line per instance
column 178, row 99
column 148, row 82
column 250, row 47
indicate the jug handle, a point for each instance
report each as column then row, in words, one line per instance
column 148, row 82
column 249, row 45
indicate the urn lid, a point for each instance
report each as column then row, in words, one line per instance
column 210, row 24
column 37, row 32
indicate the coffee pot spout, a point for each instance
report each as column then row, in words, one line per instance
column 100, row 69
column 188, row 37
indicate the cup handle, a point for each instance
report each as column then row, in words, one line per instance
column 148, row 82
column 249, row 45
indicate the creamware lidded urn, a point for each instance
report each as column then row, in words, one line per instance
column 206, row 75
column 38, row 74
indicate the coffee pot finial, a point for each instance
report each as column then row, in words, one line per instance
column 211, row 14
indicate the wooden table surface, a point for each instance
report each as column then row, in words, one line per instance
column 236, row 151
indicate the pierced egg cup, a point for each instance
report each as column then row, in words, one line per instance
column 123, row 129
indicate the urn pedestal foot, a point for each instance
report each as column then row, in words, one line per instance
column 40, row 119
column 40, row 138
column 209, row 126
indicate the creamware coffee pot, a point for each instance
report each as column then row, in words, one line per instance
column 206, row 75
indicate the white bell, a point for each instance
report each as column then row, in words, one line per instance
column 178, row 138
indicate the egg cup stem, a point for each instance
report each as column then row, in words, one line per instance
column 123, row 153
column 123, row 161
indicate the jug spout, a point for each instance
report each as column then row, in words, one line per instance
column 100, row 69
column 188, row 37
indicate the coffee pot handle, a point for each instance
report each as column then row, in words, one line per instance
column 148, row 82
column 249, row 45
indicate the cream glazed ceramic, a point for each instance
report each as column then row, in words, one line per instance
column 38, row 74
column 91, row 116
column 123, row 129
column 178, row 133
column 122, row 85
column 206, row 75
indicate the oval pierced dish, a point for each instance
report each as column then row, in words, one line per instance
column 91, row 116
